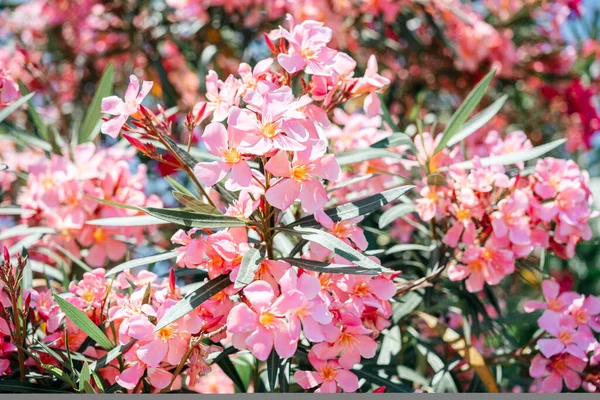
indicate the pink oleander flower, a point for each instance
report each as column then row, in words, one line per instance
column 553, row 371
column 259, row 326
column 586, row 311
column 350, row 342
column 281, row 125
column 301, row 177
column 359, row 292
column 122, row 109
column 308, row 49
column 243, row 207
column 251, row 77
column 555, row 301
column 465, row 210
column 370, row 83
column 9, row 89
column 220, row 96
column 191, row 252
column 347, row 230
column 511, row 219
column 223, row 143
column 329, row 376
column 303, row 307
column 102, row 245
column 480, row 265
column 568, row 339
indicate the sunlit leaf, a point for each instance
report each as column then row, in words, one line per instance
column 465, row 109
column 250, row 263
column 472, row 125
column 193, row 300
column 392, row 214
column 5, row 112
column 327, row 268
column 83, row 322
column 138, row 262
column 90, row 126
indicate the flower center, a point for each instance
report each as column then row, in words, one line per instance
column 555, row 305
column 463, row 214
column 328, row 373
column 361, row 289
column 300, row 172
column 347, row 340
column 166, row 333
column 232, row 156
column 48, row 183
column 88, row 296
column 99, row 235
column 477, row 265
column 580, row 316
column 269, row 130
column 308, row 53
column 487, row 254
column 565, row 337
column 267, row 319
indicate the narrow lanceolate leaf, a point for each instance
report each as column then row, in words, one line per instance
column 369, row 153
column 465, row 109
column 73, row 258
column 83, row 322
column 138, row 262
column 394, row 140
column 340, row 248
column 386, row 113
column 15, row 211
column 477, row 121
column 111, row 355
column 22, row 230
column 91, row 121
column 470, row 354
column 113, row 203
column 136, row 220
column 84, row 377
column 14, row 105
column 193, row 300
column 250, row 263
column 328, row 268
column 392, row 214
column 513, row 158
column 58, row 373
column 357, row 208
column 34, row 116
column 194, row 220
column 272, row 369
column 227, row 366
column 195, row 204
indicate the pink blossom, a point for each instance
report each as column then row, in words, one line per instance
column 556, row 369
column 9, row 89
column 329, row 376
column 191, row 252
column 567, row 338
column 350, row 342
column 258, row 326
column 301, row 177
column 555, row 301
column 224, row 144
column 308, row 50
column 122, row 109
column 511, row 219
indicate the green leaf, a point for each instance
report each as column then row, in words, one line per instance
column 111, row 355
column 250, row 263
column 465, row 109
column 339, row 247
column 272, row 369
column 410, row 374
column 138, row 262
column 178, row 186
column 368, row 153
column 230, row 370
column 22, row 230
column 15, row 211
column 328, row 268
column 392, row 214
column 356, row 208
column 84, row 378
column 90, row 125
column 195, row 204
column 386, row 114
column 407, row 247
column 5, row 112
column 58, row 373
column 394, row 140
column 136, row 220
column 113, row 203
column 83, row 322
column 377, row 380
column 13, row 386
column 193, row 300
column 477, row 121
column 512, row 158
column 194, row 220
column 35, row 117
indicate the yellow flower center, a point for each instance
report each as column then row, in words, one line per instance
column 300, row 172
column 232, row 156
column 307, row 54
column 266, row 319
column 328, row 373
column 463, row 214
column 88, row 296
column 565, row 337
column 269, row 130
column 554, row 305
column 361, row 289
column 48, row 183
column 99, row 235
column 166, row 333
column 347, row 340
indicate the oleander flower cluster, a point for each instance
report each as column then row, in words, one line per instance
column 310, row 196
